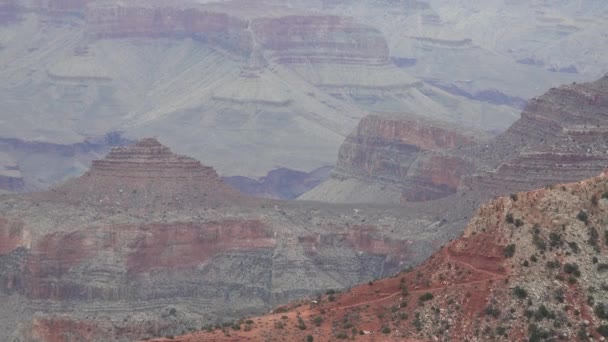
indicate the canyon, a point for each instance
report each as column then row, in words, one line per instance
column 529, row 266
column 149, row 243
column 271, row 86
column 561, row 137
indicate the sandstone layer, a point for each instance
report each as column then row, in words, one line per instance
column 408, row 155
column 529, row 267
column 561, row 136
column 148, row 243
column 257, row 87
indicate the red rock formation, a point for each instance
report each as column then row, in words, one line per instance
column 562, row 136
column 144, row 248
column 146, row 174
column 216, row 28
column 102, row 256
column 530, row 278
column 405, row 152
column 321, row 39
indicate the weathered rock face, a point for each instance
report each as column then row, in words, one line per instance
column 562, row 136
column 527, row 267
column 216, row 28
column 149, row 243
column 405, row 154
column 321, row 39
column 146, row 175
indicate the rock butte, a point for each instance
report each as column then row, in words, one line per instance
column 146, row 175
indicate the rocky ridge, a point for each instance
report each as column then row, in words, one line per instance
column 527, row 267
column 560, row 137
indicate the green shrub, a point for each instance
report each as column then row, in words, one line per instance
column 555, row 240
column 510, row 218
column 601, row 311
column 536, row 334
column 509, row 251
column 318, row 320
column 605, row 195
column 574, row 247
column 519, row 292
column 492, row 311
column 342, row 335
column 572, row 269
column 542, row 312
column 386, row 330
column 514, row 197
column 582, row 216
column 309, row 338
column 553, row 264
column 417, row 322
column 603, row 330
column 539, row 243
column 426, row 297
column 519, row 223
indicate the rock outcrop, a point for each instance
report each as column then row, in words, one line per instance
column 149, row 21
column 145, row 175
column 321, row 39
column 148, row 243
column 561, row 136
column 402, row 154
column 528, row 267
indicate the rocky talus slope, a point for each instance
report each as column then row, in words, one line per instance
column 561, row 136
column 148, row 243
column 528, row 267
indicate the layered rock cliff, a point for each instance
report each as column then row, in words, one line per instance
column 148, row 21
column 529, row 267
column 149, row 243
column 561, row 136
column 406, row 155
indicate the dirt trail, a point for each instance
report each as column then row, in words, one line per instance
column 493, row 276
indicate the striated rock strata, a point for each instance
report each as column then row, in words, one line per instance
column 148, row 243
column 561, row 136
column 529, row 267
column 403, row 154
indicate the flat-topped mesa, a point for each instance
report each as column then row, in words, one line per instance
column 147, row 174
